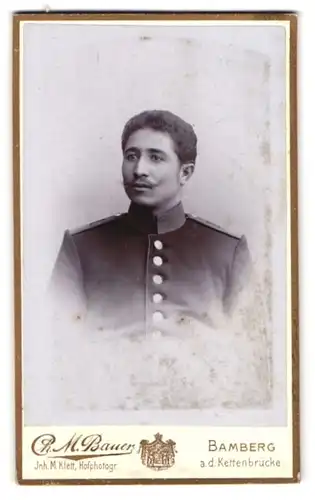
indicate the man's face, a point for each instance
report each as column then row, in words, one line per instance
column 151, row 170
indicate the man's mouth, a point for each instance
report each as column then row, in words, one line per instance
column 140, row 185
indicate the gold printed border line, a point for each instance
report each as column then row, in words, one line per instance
column 291, row 18
column 154, row 16
column 17, row 246
column 293, row 123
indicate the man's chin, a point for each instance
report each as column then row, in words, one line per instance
column 142, row 199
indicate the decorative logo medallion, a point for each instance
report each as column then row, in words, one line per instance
column 158, row 455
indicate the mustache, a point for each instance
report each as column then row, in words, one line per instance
column 136, row 183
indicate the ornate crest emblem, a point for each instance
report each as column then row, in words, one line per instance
column 158, row 455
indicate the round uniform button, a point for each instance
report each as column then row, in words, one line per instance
column 157, row 279
column 157, row 316
column 158, row 244
column 157, row 261
column 157, row 298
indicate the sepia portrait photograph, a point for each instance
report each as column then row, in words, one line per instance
column 154, row 213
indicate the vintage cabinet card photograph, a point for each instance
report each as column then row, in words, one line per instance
column 156, row 266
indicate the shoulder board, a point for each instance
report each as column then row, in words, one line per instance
column 93, row 225
column 213, row 226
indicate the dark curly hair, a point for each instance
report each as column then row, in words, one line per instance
column 182, row 133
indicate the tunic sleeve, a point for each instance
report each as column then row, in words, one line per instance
column 239, row 276
column 67, row 283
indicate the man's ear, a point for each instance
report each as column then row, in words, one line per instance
column 186, row 171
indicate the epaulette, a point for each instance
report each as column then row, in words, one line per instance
column 215, row 227
column 93, row 225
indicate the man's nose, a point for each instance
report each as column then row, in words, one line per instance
column 141, row 168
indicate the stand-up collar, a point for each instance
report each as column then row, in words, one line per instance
column 142, row 219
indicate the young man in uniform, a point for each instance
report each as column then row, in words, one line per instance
column 154, row 266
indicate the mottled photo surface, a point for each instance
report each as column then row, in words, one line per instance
column 155, row 213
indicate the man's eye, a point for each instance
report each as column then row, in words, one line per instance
column 131, row 156
column 156, row 158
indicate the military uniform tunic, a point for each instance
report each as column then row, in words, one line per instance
column 136, row 270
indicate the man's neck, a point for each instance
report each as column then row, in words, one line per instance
column 160, row 210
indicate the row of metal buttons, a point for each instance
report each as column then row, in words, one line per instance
column 157, row 316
